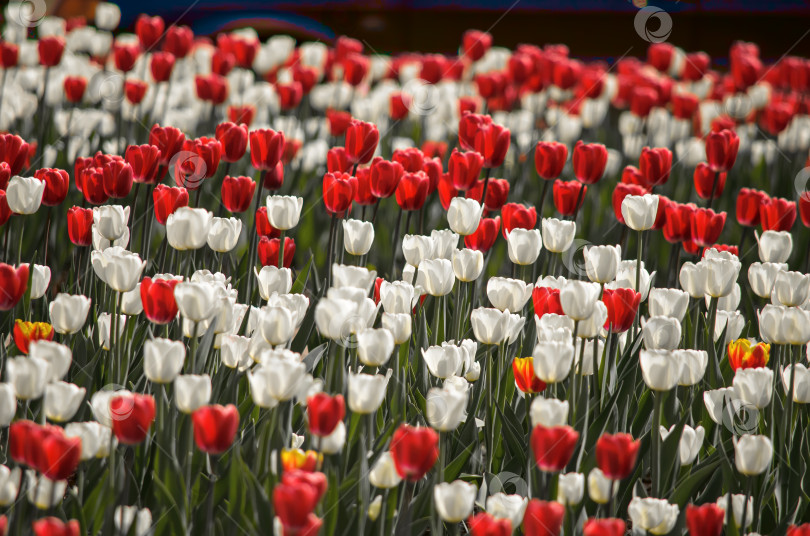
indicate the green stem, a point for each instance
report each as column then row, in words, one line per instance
column 656, row 444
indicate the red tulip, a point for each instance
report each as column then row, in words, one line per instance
column 212, row 88
column 695, row 66
column 468, row 127
column 708, row 184
column 655, row 165
column 169, row 140
column 294, row 501
column 268, row 251
column 497, row 193
column 5, row 210
column 57, row 182
column 362, row 193
column 166, row 200
column 661, row 213
column 179, row 40
column 748, row 206
column 804, row 208
column 621, row 191
column 14, row 282
column 149, row 30
column 222, row 62
column 446, row 190
column 603, row 527
column 92, row 181
column 337, row 160
column 622, row 306
column 75, row 87
column 266, row 147
column 483, row 524
column 434, row 149
column 132, row 415
column 144, row 161
column 306, row 76
column 678, row 222
column 684, row 106
column 263, row 227
column 53, row 526
column 361, row 141
column 518, row 216
column 338, row 192
column 797, row 530
column 642, row 99
column 475, row 44
column 777, row 214
column 9, row 55
column 660, row 55
column 616, row 455
column 338, row 121
column 237, row 193
column 57, row 455
column 241, row 115
column 289, row 95
column 125, row 55
column 543, row 518
column 484, row 237
column 244, row 49
column 118, row 178
column 27, row 332
column 324, row 412
column 161, row 66
column 525, row 379
column 157, row 297
column 464, row 168
column 721, row 149
column 14, row 152
column 274, row 178
column 546, row 300
column 399, row 106
column 412, row 190
column 50, row 50
column 589, row 162
column 80, row 225
column 411, row 159
column 5, row 175
column 707, row 226
column 553, row 446
column 135, row 90
column 355, row 69
column 549, row 159
column 569, row 196
column 414, row 451
column 745, row 70
column 385, row 177
column 233, row 138
column 215, row 427
column 492, row 142
column 706, row 520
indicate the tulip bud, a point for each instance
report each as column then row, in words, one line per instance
column 602, row 263
column 600, row 488
column 570, row 488
column 454, row 500
column 464, row 215
column 656, row 516
column 163, row 359
column 468, row 264
column 375, row 346
column 191, row 392
column 558, row 235
column 399, row 325
column 445, row 408
column 383, row 473
column 754, row 386
column 524, row 245
column 357, row 236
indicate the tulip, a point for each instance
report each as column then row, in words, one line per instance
column 689, row 444
column 454, row 500
column 9, row 484
column 616, row 455
column 568, row 196
column 553, row 446
column 224, row 234
column 668, row 302
column 511, row 294
column 524, row 246
column 397, row 297
column 548, row 412
column 132, row 415
column 357, row 236
column 361, row 141
column 483, row 524
column 188, row 228
column 707, row 226
column 412, row 190
column 752, row 454
column 24, row 194
column 414, row 451
column 119, row 269
column 158, row 300
column 553, row 360
column 266, row 148
column 570, row 488
column 602, row 263
column 163, row 359
column 655, row 165
column 742, row 508
column 754, row 386
column 62, row 400
column 215, row 427
column 56, row 182
column 117, row 176
column 464, row 215
column 464, row 169
column 721, row 149
column 489, row 325
column 798, row 376
column 589, row 162
column 512, row 507
column 68, row 313
column 366, row 392
column 352, row 277
column 661, row 333
column 777, row 214
column 399, row 325
column 277, row 324
column 622, row 306
column 525, row 379
column 436, row 277
column 485, row 236
column 550, row 158
column 791, row 288
column 656, row 516
column 445, row 408
column 639, row 211
column 444, row 361
column 324, row 412
column 468, row 264
column 191, row 392
column 195, row 301
column 659, row 369
column 237, row 193
column 775, row 246
column 374, row 346
column 167, row 200
column 283, row 212
column 45, row 493
column 578, row 299
column 28, row 376
column 127, row 516
column 558, row 235
column 26, row 333
column 79, row 222
column 383, row 473
column 721, row 275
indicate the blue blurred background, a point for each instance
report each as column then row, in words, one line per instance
column 591, row 28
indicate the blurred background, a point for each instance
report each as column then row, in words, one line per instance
column 591, row 28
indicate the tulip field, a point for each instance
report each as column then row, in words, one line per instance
column 267, row 286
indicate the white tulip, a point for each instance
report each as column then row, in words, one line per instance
column 553, row 360
column 397, row 297
column 111, row 221
column 660, row 369
column 9, row 484
column 489, row 325
column 549, row 412
column 464, row 215
column 600, row 487
column 558, row 235
column 670, row 302
column 100, row 243
column 234, row 351
column 24, row 194
column 752, row 454
column 661, row 333
column 445, row 242
column 791, row 288
column 445, row 408
column 656, row 516
column 578, row 299
column 639, row 211
column 283, row 211
column 602, row 262
column 118, row 268
column 799, row 376
column 43, row 492
column 366, row 391
column 436, row 277
column 163, row 359
column 187, row 228
column 273, row 280
column 524, row 245
column 738, row 505
column 626, row 278
column 570, row 488
column 124, row 516
column 689, row 444
column 107, row 16
column 8, row 404
column 62, row 400
column 333, row 443
column 344, row 275
column 511, row 294
column 762, row 276
column 191, row 391
column 223, row 234
column 375, row 346
column 444, row 361
column 692, row 365
column 277, row 324
column 454, row 500
column 196, row 301
column 358, row 236
column 594, row 324
column 775, row 246
column 468, row 264
column 40, row 279
column 28, row 375
column 754, row 386
column 721, row 275
column 69, row 312
column 399, row 325
column 511, row 507
column 730, row 322
column 383, row 473
column 417, row 248
column 58, row 356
